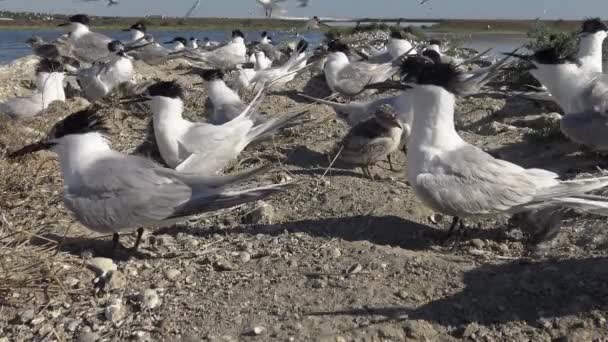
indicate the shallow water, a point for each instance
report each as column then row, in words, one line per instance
column 12, row 42
column 13, row 46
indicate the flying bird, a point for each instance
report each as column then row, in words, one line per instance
column 192, row 9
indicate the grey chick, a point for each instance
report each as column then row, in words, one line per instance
column 372, row 140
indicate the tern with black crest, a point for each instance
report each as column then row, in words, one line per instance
column 111, row 192
column 85, row 45
column 458, row 179
column 203, row 148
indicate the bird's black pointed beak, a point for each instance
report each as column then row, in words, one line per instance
column 136, row 47
column 523, row 57
column 388, row 85
column 63, row 24
column 35, row 147
column 137, row 99
column 126, row 30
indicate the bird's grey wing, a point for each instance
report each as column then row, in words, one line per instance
column 125, row 192
column 22, row 107
column 353, row 78
column 468, row 181
column 597, row 94
column 92, row 47
column 210, row 149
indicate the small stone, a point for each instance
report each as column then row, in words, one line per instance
column 45, row 329
column 470, row 330
column 115, row 311
column 503, row 247
column 263, row 214
column 72, row 282
column 477, row 252
column 436, row 218
column 88, row 337
column 257, row 330
column 26, row 316
column 141, row 335
column 149, row 299
column 102, row 266
column 37, row 320
column 73, row 325
column 495, row 128
column 172, row 274
column 354, row 269
column 420, row 330
column 193, row 243
column 318, row 283
column 224, row 265
column 478, row 243
column 335, row 252
column 117, row 281
column 403, row 294
column 244, row 257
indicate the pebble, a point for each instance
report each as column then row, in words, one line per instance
column 73, row 325
column 420, row 330
column 244, row 257
column 88, row 337
column 478, row 243
column 354, row 269
column 172, row 274
column 37, row 320
column 257, row 330
column 224, row 265
column 403, row 294
column 117, row 281
column 115, row 311
column 102, row 266
column 263, row 214
column 336, row 252
column 26, row 316
column 45, row 329
column 149, row 299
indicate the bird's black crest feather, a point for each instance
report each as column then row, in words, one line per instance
column 115, row 46
column 435, row 42
column 237, row 33
column 140, row 26
column 212, row 74
column 552, row 55
column 47, row 65
column 337, row 46
column 82, row 122
column 593, row 25
column 422, row 70
column 80, row 18
column 170, row 89
column 181, row 40
column 302, row 46
column 433, row 55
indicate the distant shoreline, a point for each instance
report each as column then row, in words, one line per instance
column 442, row 26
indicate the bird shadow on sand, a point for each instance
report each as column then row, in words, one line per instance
column 516, row 291
column 99, row 247
column 316, row 87
column 316, row 163
column 552, row 153
column 514, row 107
column 380, row 230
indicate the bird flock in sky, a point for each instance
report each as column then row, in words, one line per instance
column 113, row 192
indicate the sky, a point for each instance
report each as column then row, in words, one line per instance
column 469, row 9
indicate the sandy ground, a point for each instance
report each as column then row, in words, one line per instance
column 338, row 258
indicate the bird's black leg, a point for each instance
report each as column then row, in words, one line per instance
column 140, row 232
column 455, row 222
column 115, row 241
column 390, row 162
